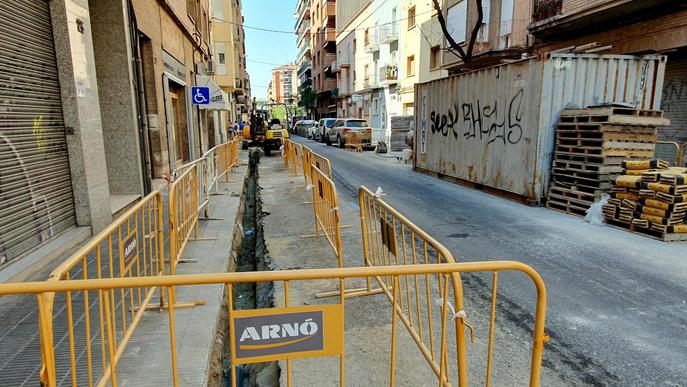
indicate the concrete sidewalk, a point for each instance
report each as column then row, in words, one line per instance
column 147, row 359
column 368, row 319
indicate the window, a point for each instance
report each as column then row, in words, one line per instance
column 375, row 106
column 483, row 34
column 221, row 58
column 456, row 21
column 435, row 57
column 411, row 17
column 218, row 9
column 367, row 36
column 410, row 66
column 354, row 45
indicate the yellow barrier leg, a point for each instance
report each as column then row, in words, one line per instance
column 393, row 333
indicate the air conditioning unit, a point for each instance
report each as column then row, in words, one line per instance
column 211, row 67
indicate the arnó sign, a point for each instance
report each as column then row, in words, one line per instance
column 286, row 333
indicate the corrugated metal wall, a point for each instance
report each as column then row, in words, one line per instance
column 496, row 126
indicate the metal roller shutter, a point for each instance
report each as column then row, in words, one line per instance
column 36, row 200
column 674, row 100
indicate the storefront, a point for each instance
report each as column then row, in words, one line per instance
column 216, row 112
column 177, row 107
column 35, row 178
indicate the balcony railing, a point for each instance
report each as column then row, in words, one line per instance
column 388, row 33
column 328, row 35
column 388, row 74
column 340, row 64
column 371, row 42
column 546, row 9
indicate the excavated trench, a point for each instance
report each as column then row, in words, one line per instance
column 249, row 253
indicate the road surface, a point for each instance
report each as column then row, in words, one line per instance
column 617, row 302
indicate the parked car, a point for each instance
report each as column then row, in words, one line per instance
column 343, row 128
column 302, row 126
column 312, row 130
column 322, row 127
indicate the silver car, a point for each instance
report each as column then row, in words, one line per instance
column 342, row 128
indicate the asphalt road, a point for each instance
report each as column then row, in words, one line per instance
column 617, row 302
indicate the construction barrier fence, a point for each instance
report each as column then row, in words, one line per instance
column 390, row 239
column 89, row 330
column 189, row 194
column 323, row 323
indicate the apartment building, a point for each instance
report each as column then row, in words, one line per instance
column 624, row 27
column 382, row 52
column 302, row 29
column 228, row 68
column 108, row 113
column 502, row 36
column 323, row 47
column 283, row 85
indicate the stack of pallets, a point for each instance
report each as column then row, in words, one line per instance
column 591, row 145
column 650, row 198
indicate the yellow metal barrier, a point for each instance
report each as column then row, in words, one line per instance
column 326, row 208
column 131, row 247
column 390, row 239
column 669, row 151
column 332, row 332
column 296, row 158
column 306, row 163
column 287, row 153
column 190, row 192
column 322, row 163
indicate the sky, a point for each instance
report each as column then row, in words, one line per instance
column 274, row 49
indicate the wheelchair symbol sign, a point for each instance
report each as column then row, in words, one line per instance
column 200, row 95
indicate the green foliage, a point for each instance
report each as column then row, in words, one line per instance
column 308, row 99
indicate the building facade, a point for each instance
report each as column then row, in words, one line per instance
column 110, row 112
column 282, row 86
column 228, row 57
column 323, row 47
column 302, row 29
column 624, row 27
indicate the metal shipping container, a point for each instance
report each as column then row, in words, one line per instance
column 496, row 127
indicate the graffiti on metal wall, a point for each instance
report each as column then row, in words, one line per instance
column 499, row 120
column 674, row 94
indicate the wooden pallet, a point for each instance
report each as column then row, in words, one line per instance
column 665, row 237
column 612, row 110
column 580, row 166
column 566, row 207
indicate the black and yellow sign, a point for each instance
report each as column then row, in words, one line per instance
column 260, row 335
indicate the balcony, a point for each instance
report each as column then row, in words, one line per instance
column 302, row 13
column 239, row 86
column 371, row 43
column 388, row 33
column 388, row 74
column 546, row 9
column 328, row 36
column 369, row 83
column 304, row 52
column 340, row 64
column 566, row 19
column 305, row 84
column 328, row 11
column 304, row 67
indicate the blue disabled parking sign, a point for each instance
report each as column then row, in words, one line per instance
column 200, row 95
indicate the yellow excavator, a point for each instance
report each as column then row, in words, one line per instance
column 265, row 131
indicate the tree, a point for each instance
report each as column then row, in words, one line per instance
column 308, row 99
column 467, row 53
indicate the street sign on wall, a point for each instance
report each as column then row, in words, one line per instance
column 261, row 335
column 200, row 95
